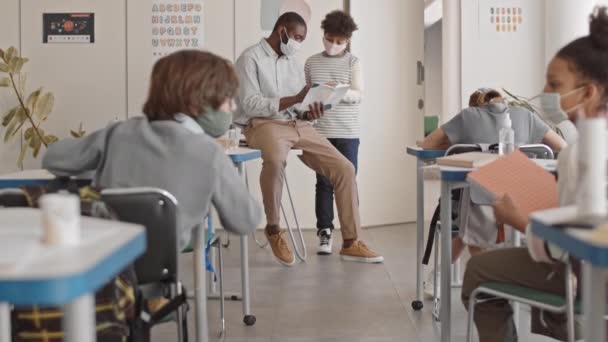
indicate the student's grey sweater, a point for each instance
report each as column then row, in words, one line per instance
column 166, row 155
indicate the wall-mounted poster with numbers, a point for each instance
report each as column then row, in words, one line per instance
column 71, row 28
column 503, row 18
column 176, row 25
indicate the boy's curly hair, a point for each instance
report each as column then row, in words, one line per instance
column 339, row 23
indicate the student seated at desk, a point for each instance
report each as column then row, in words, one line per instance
column 579, row 69
column 191, row 92
column 480, row 124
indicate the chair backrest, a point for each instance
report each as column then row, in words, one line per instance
column 13, row 198
column 156, row 210
column 537, row 151
column 463, row 148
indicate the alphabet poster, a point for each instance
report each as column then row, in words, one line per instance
column 176, row 25
column 500, row 18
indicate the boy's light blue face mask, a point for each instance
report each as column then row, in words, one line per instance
column 215, row 122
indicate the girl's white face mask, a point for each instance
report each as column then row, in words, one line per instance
column 550, row 103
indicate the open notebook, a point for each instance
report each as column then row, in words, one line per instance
column 468, row 160
column 530, row 186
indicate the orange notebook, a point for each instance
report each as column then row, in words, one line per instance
column 468, row 160
column 529, row 185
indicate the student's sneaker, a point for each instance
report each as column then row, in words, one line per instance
column 280, row 248
column 359, row 252
column 325, row 241
column 428, row 284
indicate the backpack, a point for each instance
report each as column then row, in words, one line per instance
column 116, row 302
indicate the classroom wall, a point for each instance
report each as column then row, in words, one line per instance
column 389, row 43
column 432, row 64
column 514, row 61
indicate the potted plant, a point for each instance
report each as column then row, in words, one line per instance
column 26, row 119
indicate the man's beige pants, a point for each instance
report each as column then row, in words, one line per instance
column 275, row 139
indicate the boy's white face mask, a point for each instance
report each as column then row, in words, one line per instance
column 333, row 49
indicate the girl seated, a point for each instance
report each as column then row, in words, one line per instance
column 578, row 74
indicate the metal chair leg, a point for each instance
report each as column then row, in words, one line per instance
column 471, row 315
column 436, row 299
column 301, row 254
column 222, row 300
column 179, row 315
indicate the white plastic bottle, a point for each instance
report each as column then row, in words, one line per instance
column 506, row 136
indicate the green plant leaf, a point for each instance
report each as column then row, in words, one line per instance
column 10, row 130
column 8, row 117
column 10, row 53
column 21, row 156
column 19, row 62
column 19, row 119
column 5, row 82
column 3, row 67
column 49, row 139
column 27, row 135
column 15, row 124
column 32, row 99
column 37, row 145
column 34, row 140
column 44, row 106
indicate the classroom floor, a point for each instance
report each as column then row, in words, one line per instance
column 326, row 299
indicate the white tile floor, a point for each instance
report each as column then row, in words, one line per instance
column 326, row 299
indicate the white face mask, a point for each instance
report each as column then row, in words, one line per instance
column 551, row 106
column 290, row 48
column 333, row 49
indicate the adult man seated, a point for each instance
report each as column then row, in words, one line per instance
column 272, row 83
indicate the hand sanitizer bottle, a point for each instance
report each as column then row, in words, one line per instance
column 506, row 141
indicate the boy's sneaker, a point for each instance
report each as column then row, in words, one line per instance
column 325, row 242
column 359, row 252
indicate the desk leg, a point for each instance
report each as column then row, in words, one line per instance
column 594, row 299
column 417, row 304
column 248, row 318
column 446, row 260
column 5, row 322
column 200, row 292
column 79, row 320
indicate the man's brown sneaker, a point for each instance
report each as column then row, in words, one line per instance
column 359, row 252
column 280, row 248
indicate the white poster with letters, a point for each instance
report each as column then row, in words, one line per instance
column 176, row 25
column 499, row 19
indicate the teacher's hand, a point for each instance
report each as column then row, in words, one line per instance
column 315, row 111
column 302, row 94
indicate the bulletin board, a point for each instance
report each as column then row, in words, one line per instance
column 176, row 25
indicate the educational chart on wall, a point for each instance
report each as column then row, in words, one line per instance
column 176, row 25
column 78, row 28
column 503, row 18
